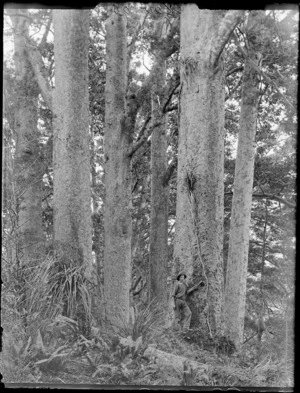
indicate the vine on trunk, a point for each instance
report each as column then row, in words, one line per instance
column 191, row 180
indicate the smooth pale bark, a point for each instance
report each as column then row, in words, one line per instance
column 71, row 164
column 117, row 139
column 201, row 158
column 237, row 263
column 158, row 244
column 28, row 168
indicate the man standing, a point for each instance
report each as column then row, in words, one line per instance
column 183, row 313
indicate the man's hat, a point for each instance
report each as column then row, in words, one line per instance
column 181, row 274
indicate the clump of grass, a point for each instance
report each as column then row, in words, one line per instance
column 50, row 289
column 271, row 371
column 55, row 288
column 145, row 323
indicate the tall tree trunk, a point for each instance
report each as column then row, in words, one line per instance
column 71, row 160
column 28, row 168
column 237, row 263
column 199, row 209
column 72, row 189
column 261, row 309
column 117, row 214
column 9, row 199
column 158, row 253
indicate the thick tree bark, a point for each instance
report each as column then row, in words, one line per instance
column 199, row 210
column 158, row 252
column 71, row 164
column 237, row 263
column 117, row 215
column 28, row 168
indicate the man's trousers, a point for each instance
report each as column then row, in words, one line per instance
column 183, row 314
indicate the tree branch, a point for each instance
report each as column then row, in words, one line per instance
column 144, row 138
column 269, row 196
column 44, row 38
column 169, row 98
column 164, row 53
column 142, row 131
column 135, row 284
column 139, row 290
column 36, row 61
column 47, row 196
column 171, row 108
column 234, row 89
column 140, row 137
column 263, row 74
column 10, row 12
column 275, row 198
column 136, row 34
column 169, row 172
column 248, row 339
column 233, row 70
column 227, row 25
column 40, row 73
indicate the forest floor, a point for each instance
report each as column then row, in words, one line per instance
column 106, row 359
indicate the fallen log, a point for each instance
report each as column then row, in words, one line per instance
column 169, row 359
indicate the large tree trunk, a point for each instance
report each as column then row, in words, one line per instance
column 28, row 168
column 163, row 359
column 71, row 161
column 237, row 263
column 117, row 215
column 158, row 253
column 199, row 209
column 72, row 189
column 9, row 239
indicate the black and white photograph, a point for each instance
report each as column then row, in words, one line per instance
column 149, row 196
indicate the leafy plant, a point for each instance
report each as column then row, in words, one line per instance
column 143, row 326
column 270, row 371
column 55, row 288
column 56, row 361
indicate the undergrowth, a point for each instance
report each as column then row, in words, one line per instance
column 49, row 347
column 117, row 356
